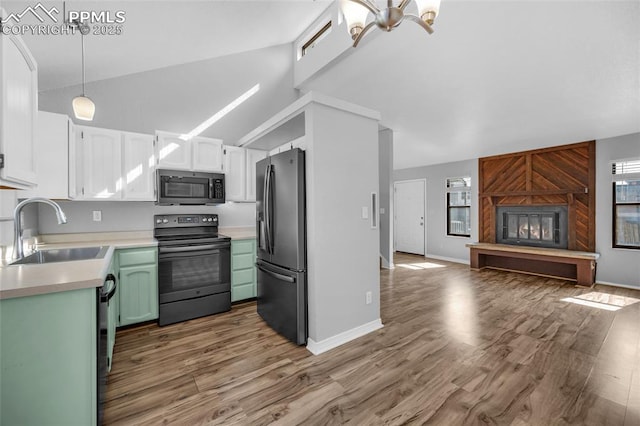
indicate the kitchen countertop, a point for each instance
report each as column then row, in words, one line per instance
column 238, row 232
column 31, row 280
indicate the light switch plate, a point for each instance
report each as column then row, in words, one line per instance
column 365, row 213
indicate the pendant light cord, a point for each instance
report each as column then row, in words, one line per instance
column 82, row 38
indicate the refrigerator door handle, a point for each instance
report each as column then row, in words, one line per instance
column 265, row 207
column 276, row 275
column 269, row 208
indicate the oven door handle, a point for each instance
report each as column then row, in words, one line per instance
column 186, row 249
column 276, row 275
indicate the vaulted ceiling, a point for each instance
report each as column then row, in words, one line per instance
column 496, row 76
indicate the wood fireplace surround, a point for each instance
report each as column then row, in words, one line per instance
column 557, row 176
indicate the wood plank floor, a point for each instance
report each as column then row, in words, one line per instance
column 457, row 347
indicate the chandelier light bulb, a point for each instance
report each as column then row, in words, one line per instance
column 428, row 10
column 356, row 16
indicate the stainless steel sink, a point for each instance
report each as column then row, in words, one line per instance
column 63, row 255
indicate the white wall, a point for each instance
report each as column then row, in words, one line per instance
column 133, row 216
column 385, row 167
column 437, row 243
column 343, row 250
column 8, row 201
column 615, row 266
column 179, row 98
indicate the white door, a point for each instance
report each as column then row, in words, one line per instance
column 102, row 163
column 253, row 156
column 234, row 173
column 172, row 152
column 139, row 167
column 409, row 216
column 207, row 154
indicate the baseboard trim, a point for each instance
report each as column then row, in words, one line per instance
column 447, row 259
column 325, row 345
column 617, row 285
column 385, row 263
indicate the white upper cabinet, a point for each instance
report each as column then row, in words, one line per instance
column 252, row 157
column 207, row 154
column 18, row 109
column 235, row 177
column 139, row 166
column 112, row 165
column 52, row 160
column 173, row 152
column 197, row 154
column 240, row 172
column 102, row 155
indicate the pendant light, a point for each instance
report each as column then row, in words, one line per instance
column 83, row 107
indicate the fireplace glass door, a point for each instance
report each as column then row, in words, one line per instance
column 542, row 226
column 531, row 226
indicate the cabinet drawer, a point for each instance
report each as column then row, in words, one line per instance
column 245, row 276
column 242, row 292
column 243, row 246
column 137, row 256
column 242, row 261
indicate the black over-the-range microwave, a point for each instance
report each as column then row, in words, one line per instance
column 189, row 188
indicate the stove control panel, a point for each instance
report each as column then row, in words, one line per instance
column 184, row 220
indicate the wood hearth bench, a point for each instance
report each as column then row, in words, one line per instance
column 579, row 266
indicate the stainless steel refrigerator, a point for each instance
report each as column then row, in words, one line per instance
column 281, row 234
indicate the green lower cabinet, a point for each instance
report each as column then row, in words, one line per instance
column 243, row 270
column 138, row 285
column 48, row 359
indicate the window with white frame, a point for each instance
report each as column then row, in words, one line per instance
column 626, row 203
column 459, row 206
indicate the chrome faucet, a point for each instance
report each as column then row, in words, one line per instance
column 18, row 253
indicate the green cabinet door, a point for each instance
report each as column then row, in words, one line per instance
column 48, row 359
column 138, row 294
column 138, row 285
column 243, row 270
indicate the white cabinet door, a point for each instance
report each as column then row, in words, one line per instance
column 173, row 152
column 18, row 108
column 102, row 163
column 138, row 170
column 76, row 169
column 52, row 160
column 207, row 154
column 252, row 157
column 235, row 173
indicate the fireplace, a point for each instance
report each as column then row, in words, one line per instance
column 537, row 226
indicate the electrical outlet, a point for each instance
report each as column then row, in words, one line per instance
column 368, row 297
column 97, row 215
